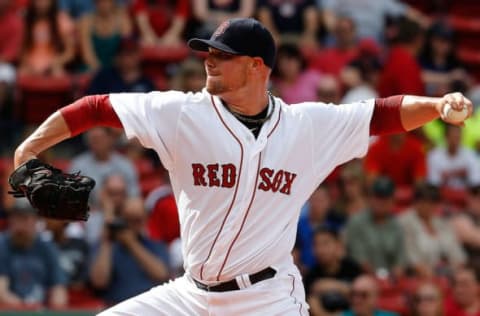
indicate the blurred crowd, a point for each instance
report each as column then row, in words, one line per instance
column 395, row 233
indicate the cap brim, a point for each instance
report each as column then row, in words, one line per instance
column 204, row 44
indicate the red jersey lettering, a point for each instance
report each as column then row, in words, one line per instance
column 198, row 171
column 229, row 175
column 213, row 181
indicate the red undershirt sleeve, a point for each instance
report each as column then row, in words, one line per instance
column 88, row 112
column 386, row 116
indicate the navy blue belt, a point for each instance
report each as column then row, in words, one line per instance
column 232, row 285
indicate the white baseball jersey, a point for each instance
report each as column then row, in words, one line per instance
column 239, row 197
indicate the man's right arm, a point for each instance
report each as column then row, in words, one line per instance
column 49, row 133
column 83, row 114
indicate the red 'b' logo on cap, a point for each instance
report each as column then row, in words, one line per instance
column 221, row 29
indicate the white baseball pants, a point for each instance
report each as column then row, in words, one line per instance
column 281, row 295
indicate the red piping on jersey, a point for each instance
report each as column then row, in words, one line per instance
column 251, row 201
column 276, row 124
column 236, row 186
column 291, row 293
column 244, row 218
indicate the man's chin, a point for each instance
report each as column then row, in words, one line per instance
column 214, row 89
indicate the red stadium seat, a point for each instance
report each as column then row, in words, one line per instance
column 454, row 197
column 83, row 299
column 396, row 303
column 38, row 97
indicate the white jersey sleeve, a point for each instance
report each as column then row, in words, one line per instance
column 152, row 118
column 339, row 132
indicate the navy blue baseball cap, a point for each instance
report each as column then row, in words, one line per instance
column 240, row 36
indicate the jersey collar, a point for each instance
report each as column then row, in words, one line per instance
column 239, row 128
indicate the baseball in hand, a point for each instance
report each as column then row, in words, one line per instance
column 454, row 116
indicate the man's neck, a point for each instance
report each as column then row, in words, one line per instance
column 246, row 103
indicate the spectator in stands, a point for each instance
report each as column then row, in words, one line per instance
column 293, row 81
column 11, row 32
column 369, row 15
column 374, row 237
column 330, row 261
column 101, row 33
column 464, row 299
column 453, row 166
column 328, row 90
column 430, row 242
column 352, row 190
column 190, row 76
column 73, row 254
column 124, row 75
column 427, row 301
column 161, row 22
column 467, row 226
column 401, row 72
column 364, row 298
column 210, row 14
column 360, row 77
column 441, row 69
column 340, row 52
column 290, row 19
column 112, row 198
column 102, row 160
column 317, row 212
column 407, row 153
column 30, row 272
column 127, row 262
column 49, row 41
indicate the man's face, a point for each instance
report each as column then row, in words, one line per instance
column 345, row 31
column 99, row 141
column 134, row 214
column 326, row 248
column 465, row 288
column 22, row 227
column 426, row 208
column 364, row 296
column 116, row 189
column 382, row 206
column 225, row 72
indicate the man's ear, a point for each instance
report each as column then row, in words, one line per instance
column 257, row 63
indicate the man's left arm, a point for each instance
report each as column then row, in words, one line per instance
column 405, row 113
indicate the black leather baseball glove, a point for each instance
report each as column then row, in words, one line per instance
column 53, row 193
